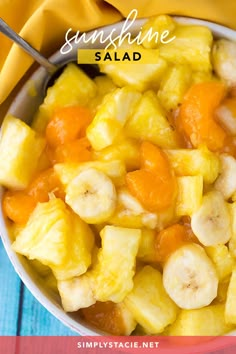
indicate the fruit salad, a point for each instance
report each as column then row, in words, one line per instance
column 122, row 192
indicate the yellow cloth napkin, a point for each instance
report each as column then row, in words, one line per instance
column 43, row 23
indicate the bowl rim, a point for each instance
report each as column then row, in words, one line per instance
column 55, row 309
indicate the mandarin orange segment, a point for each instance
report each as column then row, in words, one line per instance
column 196, row 115
column 18, row 206
column 154, row 192
column 67, row 124
column 154, row 159
column 105, row 316
column 168, row 240
column 46, row 182
column 75, row 151
column 154, row 184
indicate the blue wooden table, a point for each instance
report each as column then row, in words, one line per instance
column 20, row 313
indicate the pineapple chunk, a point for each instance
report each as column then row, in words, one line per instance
column 126, row 150
column 173, row 86
column 111, row 116
column 206, row 321
column 149, row 303
column 20, row 149
column 192, row 162
column 130, row 213
column 73, row 87
column 147, row 251
column 189, row 197
column 76, row 293
column 230, row 306
column 202, row 76
column 149, row 123
column 58, row 238
column 232, row 241
column 192, row 45
column 222, row 291
column 157, row 24
column 113, row 274
column 104, row 85
column 222, row 259
column 141, row 77
column 167, row 218
column 112, row 318
column 113, row 169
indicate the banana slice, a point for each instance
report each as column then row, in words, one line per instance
column 226, row 182
column 92, row 196
column 189, row 277
column 211, row 222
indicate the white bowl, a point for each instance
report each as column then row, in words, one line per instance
column 23, row 107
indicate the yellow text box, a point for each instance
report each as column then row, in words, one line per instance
column 102, row 56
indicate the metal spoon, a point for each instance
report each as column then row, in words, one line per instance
column 34, row 53
column 32, row 94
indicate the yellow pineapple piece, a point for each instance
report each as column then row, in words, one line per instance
column 192, row 45
column 206, row 321
column 104, row 85
column 114, row 169
column 232, row 241
column 189, row 196
column 167, row 218
column 130, row 213
column 147, row 251
column 76, row 293
column 202, row 76
column 157, row 24
column 126, row 150
column 149, row 123
column 58, row 238
column 73, row 87
column 123, row 219
column 111, row 116
column 113, row 274
column 222, row 259
column 222, row 291
column 141, row 77
column 149, row 303
column 192, row 162
column 174, row 85
column 230, row 306
column 20, row 150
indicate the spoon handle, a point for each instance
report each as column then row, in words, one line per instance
column 10, row 33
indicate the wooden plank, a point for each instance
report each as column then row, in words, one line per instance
column 9, row 295
column 36, row 320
